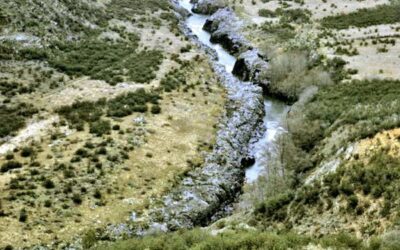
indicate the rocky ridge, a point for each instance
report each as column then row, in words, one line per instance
column 224, row 27
column 205, row 191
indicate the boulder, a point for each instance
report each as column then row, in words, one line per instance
column 249, row 66
column 224, row 27
column 207, row 7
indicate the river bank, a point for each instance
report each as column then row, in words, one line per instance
column 206, row 191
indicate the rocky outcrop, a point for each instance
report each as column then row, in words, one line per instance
column 249, row 66
column 207, row 7
column 224, row 27
column 205, row 191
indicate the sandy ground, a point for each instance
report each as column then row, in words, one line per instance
column 383, row 30
column 370, row 63
column 34, row 131
column 84, row 89
column 318, row 8
column 385, row 139
column 321, row 9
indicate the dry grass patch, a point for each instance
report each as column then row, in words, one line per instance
column 165, row 147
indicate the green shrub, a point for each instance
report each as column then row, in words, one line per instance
column 47, row 203
column 77, row 199
column 26, row 151
column 97, row 194
column 126, row 104
column 48, row 184
column 23, row 215
column 294, row 15
column 201, row 239
column 100, row 127
column 272, row 205
column 367, row 106
column 106, row 60
column 383, row 14
column 353, row 201
column 342, row 241
column 173, row 80
column 89, row 239
column 282, row 31
column 266, row 13
column 80, row 112
column 9, row 165
column 155, row 109
column 13, row 118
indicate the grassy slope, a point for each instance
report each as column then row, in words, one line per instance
column 96, row 161
column 359, row 199
column 322, row 125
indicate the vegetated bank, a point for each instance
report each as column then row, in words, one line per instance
column 339, row 160
column 99, row 115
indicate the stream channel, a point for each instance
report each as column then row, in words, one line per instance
column 275, row 110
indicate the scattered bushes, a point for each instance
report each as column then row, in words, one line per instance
column 200, row 239
column 173, row 80
column 294, row 15
column 133, row 7
column 126, row 104
column 106, row 60
column 80, row 112
column 13, row 118
column 283, row 31
column 369, row 106
column 123, row 105
column 287, row 15
column 266, row 13
column 383, row 14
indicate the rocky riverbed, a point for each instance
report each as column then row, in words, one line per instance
column 206, row 190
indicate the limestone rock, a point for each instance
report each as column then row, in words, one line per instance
column 249, row 67
column 224, row 27
column 207, row 7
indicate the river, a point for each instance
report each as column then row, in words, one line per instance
column 275, row 110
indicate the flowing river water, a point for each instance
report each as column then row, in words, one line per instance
column 275, row 110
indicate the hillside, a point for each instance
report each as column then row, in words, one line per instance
column 333, row 182
column 99, row 101
column 122, row 126
column 337, row 67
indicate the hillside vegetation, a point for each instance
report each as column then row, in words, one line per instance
column 337, row 167
column 98, row 101
column 105, row 107
column 333, row 183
